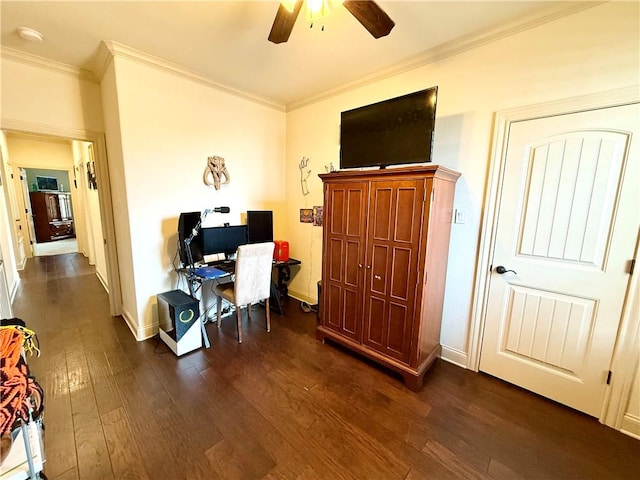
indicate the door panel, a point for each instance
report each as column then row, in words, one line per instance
column 393, row 239
column 568, row 223
column 344, row 241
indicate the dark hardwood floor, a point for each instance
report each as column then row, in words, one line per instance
column 279, row 406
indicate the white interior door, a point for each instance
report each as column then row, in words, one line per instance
column 568, row 224
column 24, row 188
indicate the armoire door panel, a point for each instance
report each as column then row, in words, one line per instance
column 334, row 259
column 336, row 214
column 405, row 206
column 376, row 324
column 377, row 275
column 355, row 212
column 398, row 331
column 343, row 312
column 401, row 266
column 382, row 206
column 353, row 273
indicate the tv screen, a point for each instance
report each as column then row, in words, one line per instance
column 392, row 132
column 47, row 183
column 260, row 226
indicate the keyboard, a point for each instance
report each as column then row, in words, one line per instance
column 228, row 266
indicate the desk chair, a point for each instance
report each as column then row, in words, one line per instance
column 252, row 282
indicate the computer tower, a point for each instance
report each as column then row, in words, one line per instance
column 179, row 321
column 260, row 226
column 186, row 223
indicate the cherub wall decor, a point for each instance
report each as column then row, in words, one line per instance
column 215, row 171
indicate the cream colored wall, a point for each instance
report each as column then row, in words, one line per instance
column 44, row 96
column 36, row 153
column 6, row 217
column 7, row 236
column 591, row 51
column 168, row 126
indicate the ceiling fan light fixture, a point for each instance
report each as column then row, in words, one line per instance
column 30, row 34
column 318, row 8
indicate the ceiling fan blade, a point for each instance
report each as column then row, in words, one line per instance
column 283, row 23
column 371, row 16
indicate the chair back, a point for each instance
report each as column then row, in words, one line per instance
column 253, row 272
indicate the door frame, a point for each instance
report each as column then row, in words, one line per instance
column 501, row 127
column 104, row 195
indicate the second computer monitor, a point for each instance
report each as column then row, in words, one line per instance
column 223, row 239
column 260, row 225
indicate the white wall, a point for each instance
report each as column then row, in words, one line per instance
column 161, row 127
column 591, row 51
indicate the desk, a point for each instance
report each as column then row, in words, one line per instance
column 279, row 289
column 284, row 275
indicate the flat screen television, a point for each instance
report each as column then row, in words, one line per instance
column 260, row 226
column 396, row 131
column 47, row 183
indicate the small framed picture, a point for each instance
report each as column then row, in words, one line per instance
column 306, row 215
column 317, row 216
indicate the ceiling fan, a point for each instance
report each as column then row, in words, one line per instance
column 367, row 12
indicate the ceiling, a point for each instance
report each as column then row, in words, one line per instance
column 226, row 41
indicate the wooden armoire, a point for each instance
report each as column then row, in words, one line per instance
column 385, row 248
column 52, row 216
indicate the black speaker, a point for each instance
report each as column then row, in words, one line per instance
column 177, row 312
column 260, row 226
column 186, row 223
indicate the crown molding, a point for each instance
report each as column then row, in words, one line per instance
column 116, row 49
column 454, row 47
column 9, row 53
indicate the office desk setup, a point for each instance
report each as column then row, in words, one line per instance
column 217, row 271
column 178, row 311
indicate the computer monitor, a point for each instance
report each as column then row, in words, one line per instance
column 223, row 239
column 260, row 225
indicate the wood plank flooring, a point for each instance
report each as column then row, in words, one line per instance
column 279, row 406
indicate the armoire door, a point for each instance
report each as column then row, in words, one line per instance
column 345, row 228
column 391, row 273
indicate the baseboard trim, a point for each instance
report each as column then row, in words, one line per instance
column 455, row 356
column 631, row 426
column 103, row 282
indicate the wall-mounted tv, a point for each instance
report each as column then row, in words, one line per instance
column 392, row 132
column 47, row 183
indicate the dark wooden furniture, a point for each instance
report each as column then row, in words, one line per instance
column 52, row 215
column 385, row 248
column 284, row 275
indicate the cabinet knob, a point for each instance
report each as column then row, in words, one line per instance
column 377, row 277
column 368, row 267
column 359, row 265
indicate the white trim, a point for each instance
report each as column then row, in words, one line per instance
column 455, row 356
column 626, row 360
column 612, row 413
column 9, row 53
column 104, row 194
column 631, row 426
